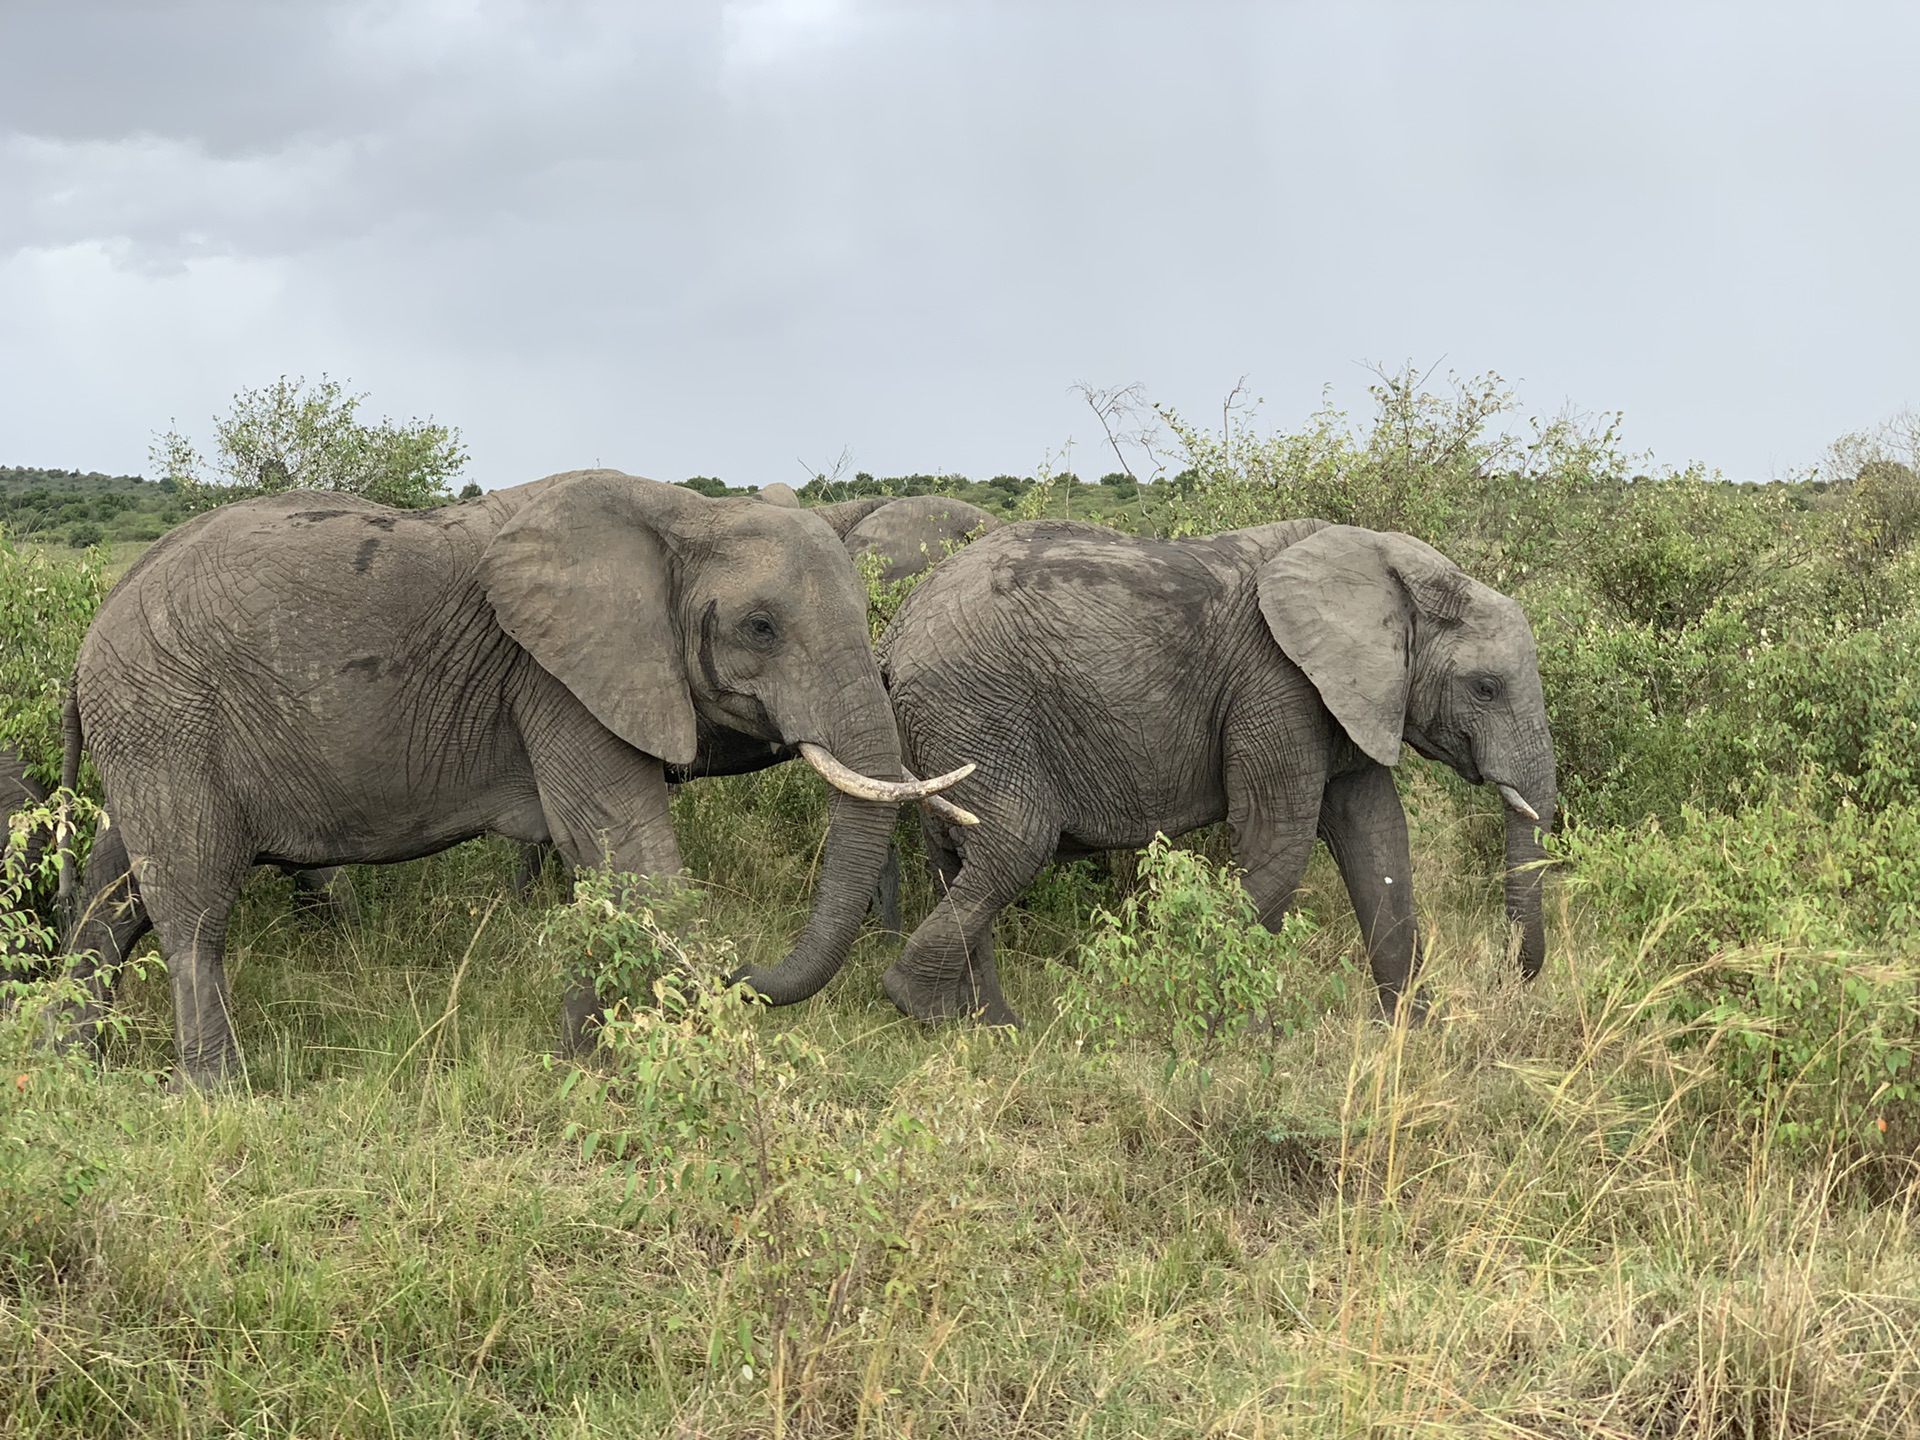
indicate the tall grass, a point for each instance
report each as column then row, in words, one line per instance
column 1533, row 1216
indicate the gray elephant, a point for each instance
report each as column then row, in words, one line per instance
column 312, row 679
column 1112, row 687
column 909, row 535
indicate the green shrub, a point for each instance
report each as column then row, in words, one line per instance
column 1647, row 721
column 626, row 933
column 1677, row 544
column 1777, row 939
column 292, row 435
column 720, row 1123
column 47, row 601
column 1185, row 962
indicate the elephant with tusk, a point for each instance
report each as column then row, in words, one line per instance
column 907, row 536
column 1111, row 687
column 310, row 679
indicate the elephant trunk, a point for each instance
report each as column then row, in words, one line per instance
column 1525, row 861
column 859, row 835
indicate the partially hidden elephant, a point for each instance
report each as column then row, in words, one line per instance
column 311, row 679
column 1112, row 687
column 910, row 535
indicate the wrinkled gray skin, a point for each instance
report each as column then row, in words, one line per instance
column 909, row 536
column 311, row 679
column 1110, row 687
column 330, row 889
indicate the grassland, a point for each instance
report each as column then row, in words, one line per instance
column 1529, row 1217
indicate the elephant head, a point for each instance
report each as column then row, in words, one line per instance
column 1403, row 645
column 766, row 636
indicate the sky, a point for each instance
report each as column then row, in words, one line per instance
column 744, row 239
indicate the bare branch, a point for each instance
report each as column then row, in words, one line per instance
column 830, row 477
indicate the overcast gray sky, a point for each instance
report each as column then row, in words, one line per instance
column 717, row 238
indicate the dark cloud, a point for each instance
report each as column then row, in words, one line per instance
column 711, row 238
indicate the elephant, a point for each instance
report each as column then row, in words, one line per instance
column 313, row 679
column 1111, row 687
column 909, row 535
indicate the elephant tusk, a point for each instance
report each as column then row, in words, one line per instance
column 865, row 787
column 947, row 810
column 1516, row 804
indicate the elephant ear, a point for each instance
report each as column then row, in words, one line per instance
column 582, row 579
column 1341, row 612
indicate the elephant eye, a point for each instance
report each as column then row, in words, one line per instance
column 761, row 631
column 1485, row 687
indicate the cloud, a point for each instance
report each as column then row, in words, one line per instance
column 711, row 237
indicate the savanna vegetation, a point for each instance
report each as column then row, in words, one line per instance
column 1668, row 1189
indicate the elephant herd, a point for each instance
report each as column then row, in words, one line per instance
column 311, row 680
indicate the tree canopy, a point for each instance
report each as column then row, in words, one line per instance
column 294, row 436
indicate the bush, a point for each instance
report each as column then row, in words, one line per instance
column 626, row 933
column 46, row 604
column 1777, row 939
column 1185, row 962
column 721, row 1124
column 1677, row 545
column 293, row 436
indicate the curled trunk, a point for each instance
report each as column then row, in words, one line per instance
column 859, row 839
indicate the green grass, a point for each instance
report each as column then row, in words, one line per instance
column 1525, row 1218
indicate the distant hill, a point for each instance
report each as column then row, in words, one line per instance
column 83, row 507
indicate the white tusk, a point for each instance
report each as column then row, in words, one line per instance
column 865, row 787
column 1516, row 804
column 947, row 810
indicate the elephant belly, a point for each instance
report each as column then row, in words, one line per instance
column 1105, row 828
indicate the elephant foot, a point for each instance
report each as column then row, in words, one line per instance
column 580, row 1017
column 326, row 895
column 203, row 1076
column 960, row 999
column 1415, row 1007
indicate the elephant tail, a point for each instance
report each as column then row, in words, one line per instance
column 72, row 738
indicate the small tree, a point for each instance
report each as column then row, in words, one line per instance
column 292, row 436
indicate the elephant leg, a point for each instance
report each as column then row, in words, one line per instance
column 109, row 921
column 947, row 970
column 190, row 899
column 1366, row 828
column 604, row 803
column 1272, row 815
column 533, row 861
column 328, row 890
